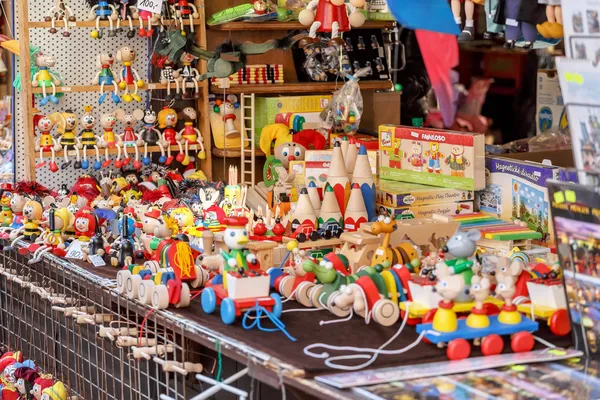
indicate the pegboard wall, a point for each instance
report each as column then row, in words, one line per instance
column 76, row 62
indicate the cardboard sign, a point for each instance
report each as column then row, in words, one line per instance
column 75, row 250
column 154, row 6
column 96, row 260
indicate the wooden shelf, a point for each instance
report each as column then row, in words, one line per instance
column 301, row 87
column 233, row 153
column 110, row 88
column 105, row 24
column 112, row 151
column 286, row 26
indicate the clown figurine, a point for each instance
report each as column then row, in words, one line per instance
column 330, row 16
column 236, row 238
column 58, row 391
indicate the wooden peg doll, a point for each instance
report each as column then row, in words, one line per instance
column 479, row 291
column 32, row 216
column 152, row 136
column 148, row 17
column 126, row 13
column 106, row 76
column 130, row 138
column 129, row 75
column 88, row 138
column 103, row 10
column 185, row 9
column 60, row 12
column 168, row 76
column 449, row 287
column 46, row 142
column 59, row 221
column 190, row 134
column 45, row 78
column 109, row 138
column 167, row 121
column 505, row 288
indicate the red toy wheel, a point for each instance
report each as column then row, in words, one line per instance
column 491, row 309
column 458, row 349
column 492, row 345
column 559, row 323
column 410, row 321
column 522, row 342
column 174, row 288
column 428, row 319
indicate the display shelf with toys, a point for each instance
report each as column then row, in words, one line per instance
column 288, row 25
column 302, row 87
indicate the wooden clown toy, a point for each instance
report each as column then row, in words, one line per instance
column 236, row 239
column 282, row 146
column 40, row 384
column 330, row 16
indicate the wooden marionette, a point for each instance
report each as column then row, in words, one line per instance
column 185, row 9
column 190, row 134
column 41, row 383
column 46, row 142
column 167, row 121
column 53, row 239
column 58, row 391
column 350, row 157
column 106, row 76
column 303, row 214
column 66, row 123
column 89, row 139
column 103, row 10
column 363, row 176
column 356, row 212
column 337, row 177
column 330, row 16
column 60, row 12
column 330, row 208
column 150, row 19
column 32, row 216
column 189, row 73
column 129, row 75
column 315, row 198
column 25, row 378
column 126, row 13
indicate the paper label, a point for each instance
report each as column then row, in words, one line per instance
column 96, row 260
column 154, row 6
column 66, row 88
column 75, row 250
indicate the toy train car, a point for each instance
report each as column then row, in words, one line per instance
column 328, row 230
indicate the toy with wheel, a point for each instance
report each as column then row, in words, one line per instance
column 245, row 290
column 548, row 302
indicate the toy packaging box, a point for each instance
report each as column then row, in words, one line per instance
column 426, row 210
column 400, row 194
column 517, row 190
column 550, row 109
column 316, row 165
column 298, row 112
column 432, row 157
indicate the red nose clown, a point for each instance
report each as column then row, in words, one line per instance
column 282, row 145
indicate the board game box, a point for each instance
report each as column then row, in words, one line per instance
column 426, row 210
column 517, row 189
column 432, row 157
column 402, row 194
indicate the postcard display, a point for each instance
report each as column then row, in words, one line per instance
column 576, row 206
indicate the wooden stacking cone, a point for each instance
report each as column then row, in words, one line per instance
column 337, row 177
column 356, row 212
column 363, row 176
column 304, row 214
column 315, row 198
column 350, row 158
column 330, row 209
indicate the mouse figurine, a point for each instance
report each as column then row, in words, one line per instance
column 506, row 289
column 458, row 252
column 449, row 286
column 479, row 291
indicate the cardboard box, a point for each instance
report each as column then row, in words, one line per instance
column 559, row 158
column 426, row 211
column 400, row 194
column 432, row 157
column 517, row 190
column 550, row 110
column 379, row 108
column 267, row 108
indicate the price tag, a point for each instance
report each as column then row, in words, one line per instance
column 75, row 250
column 154, row 6
column 66, row 88
column 96, row 260
column 151, row 86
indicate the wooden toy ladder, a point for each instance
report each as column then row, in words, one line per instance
column 248, row 153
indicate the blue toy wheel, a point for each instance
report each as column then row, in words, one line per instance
column 228, row 311
column 278, row 307
column 208, row 300
column 274, row 273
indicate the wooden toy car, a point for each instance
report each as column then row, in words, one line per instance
column 548, row 301
column 245, row 289
column 491, row 343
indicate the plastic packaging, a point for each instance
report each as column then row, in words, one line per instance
column 345, row 110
